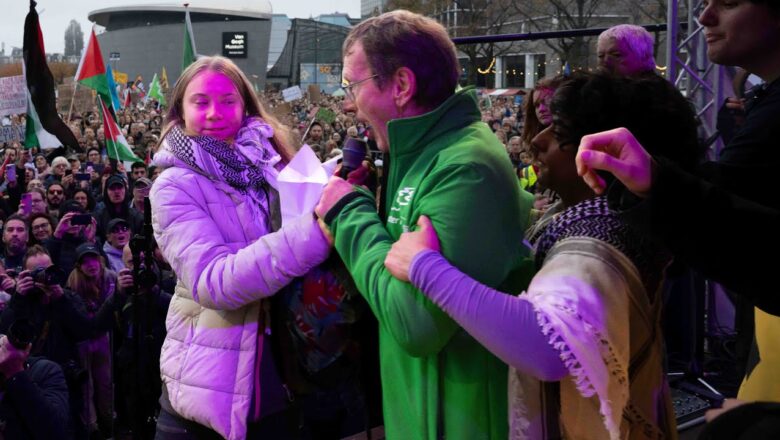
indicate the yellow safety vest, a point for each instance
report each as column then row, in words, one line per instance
column 527, row 177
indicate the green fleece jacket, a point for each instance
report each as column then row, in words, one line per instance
column 437, row 381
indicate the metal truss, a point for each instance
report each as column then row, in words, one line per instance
column 704, row 83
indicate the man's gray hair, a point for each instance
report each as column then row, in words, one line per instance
column 636, row 39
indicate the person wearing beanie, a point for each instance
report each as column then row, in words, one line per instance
column 58, row 168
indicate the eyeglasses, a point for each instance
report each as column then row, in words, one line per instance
column 55, row 192
column 347, row 86
column 40, row 227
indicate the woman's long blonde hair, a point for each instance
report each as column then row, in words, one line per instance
column 252, row 105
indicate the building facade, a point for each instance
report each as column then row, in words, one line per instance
column 369, row 8
column 141, row 40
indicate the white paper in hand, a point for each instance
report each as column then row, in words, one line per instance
column 300, row 184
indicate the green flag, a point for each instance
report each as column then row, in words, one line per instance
column 155, row 91
column 190, row 54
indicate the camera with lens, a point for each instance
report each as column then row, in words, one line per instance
column 48, row 276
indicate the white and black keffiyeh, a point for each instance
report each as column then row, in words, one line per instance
column 247, row 166
column 593, row 218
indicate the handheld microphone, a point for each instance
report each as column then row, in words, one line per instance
column 354, row 152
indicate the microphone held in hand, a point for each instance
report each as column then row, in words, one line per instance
column 354, row 153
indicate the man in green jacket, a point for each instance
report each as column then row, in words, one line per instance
column 400, row 75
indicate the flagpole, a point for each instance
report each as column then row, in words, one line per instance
column 72, row 98
column 305, row 133
column 114, row 136
column 75, row 79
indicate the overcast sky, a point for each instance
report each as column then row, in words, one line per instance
column 56, row 14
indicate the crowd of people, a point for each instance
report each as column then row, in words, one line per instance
column 67, row 272
column 493, row 285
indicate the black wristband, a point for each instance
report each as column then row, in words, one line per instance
column 338, row 206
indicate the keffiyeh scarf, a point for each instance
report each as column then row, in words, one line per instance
column 247, row 166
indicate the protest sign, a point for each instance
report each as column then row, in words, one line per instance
column 11, row 133
column 326, row 115
column 13, row 95
column 84, row 99
column 292, row 93
column 120, row 77
column 314, row 93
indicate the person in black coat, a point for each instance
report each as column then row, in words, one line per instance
column 34, row 403
column 57, row 316
column 721, row 219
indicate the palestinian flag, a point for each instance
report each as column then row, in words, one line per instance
column 116, row 144
column 189, row 54
column 40, row 85
column 35, row 135
column 92, row 71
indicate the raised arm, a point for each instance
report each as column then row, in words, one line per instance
column 504, row 324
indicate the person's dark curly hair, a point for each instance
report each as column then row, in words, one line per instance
column 661, row 119
column 90, row 200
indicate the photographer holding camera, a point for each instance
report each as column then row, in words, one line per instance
column 57, row 315
column 75, row 228
column 34, row 398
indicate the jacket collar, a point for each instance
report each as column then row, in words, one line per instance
column 408, row 135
